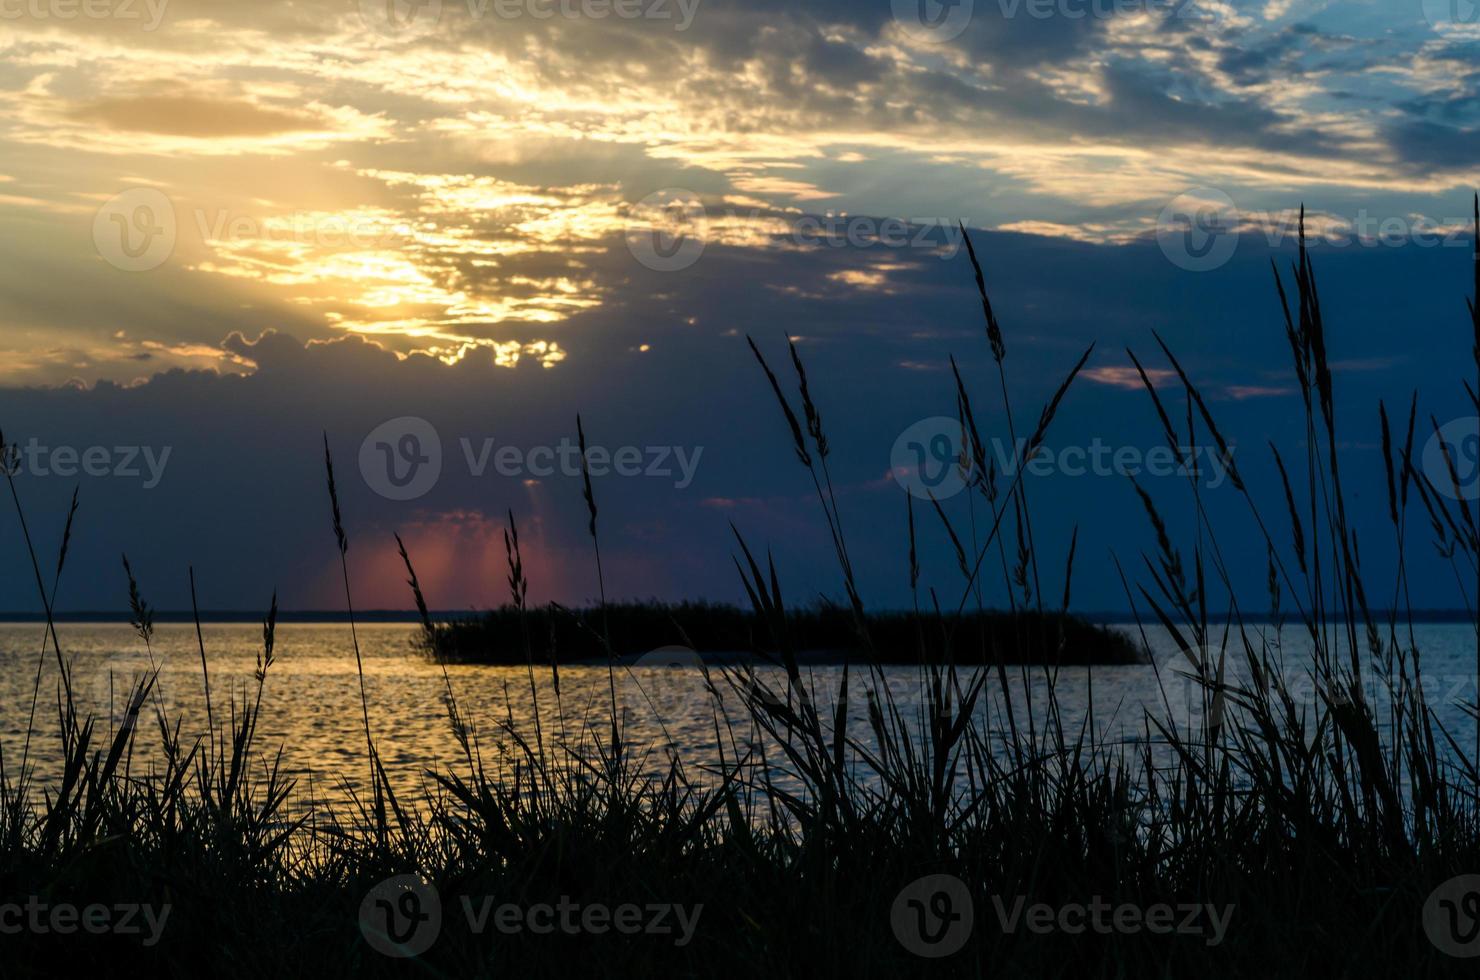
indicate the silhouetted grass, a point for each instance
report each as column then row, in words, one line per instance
column 1323, row 822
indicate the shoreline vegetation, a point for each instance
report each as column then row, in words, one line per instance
column 1329, row 827
column 822, row 634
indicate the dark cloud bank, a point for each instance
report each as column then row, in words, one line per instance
column 242, row 495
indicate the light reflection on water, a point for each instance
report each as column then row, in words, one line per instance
column 311, row 703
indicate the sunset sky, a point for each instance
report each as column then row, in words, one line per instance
column 230, row 227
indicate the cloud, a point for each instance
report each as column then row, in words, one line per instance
column 1428, row 146
column 192, row 116
column 1127, row 377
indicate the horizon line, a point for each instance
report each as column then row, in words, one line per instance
column 1097, row 616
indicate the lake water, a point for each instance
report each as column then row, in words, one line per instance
column 311, row 702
